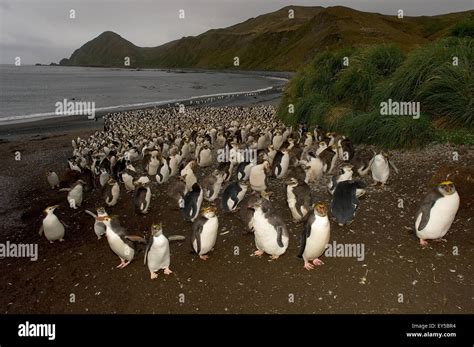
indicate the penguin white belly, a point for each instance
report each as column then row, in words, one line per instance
column 291, row 199
column 119, row 247
column 128, row 181
column 285, row 162
column 208, row 236
column 216, row 189
column 205, row 158
column 257, row 179
column 316, row 243
column 315, row 171
column 104, row 177
column 442, row 215
column 53, row 228
column 99, row 228
column 159, row 254
column 266, row 235
column 380, row 172
column 153, row 167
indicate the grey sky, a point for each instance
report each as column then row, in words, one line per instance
column 41, row 30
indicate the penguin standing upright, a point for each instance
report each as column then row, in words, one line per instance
column 142, row 198
column 164, row 172
column 121, row 243
column 192, row 203
column 212, row 184
column 345, row 201
column 246, row 212
column 315, row 236
column 258, row 176
column 437, row 212
column 99, row 226
column 344, row 174
column 111, row 192
column 53, row 179
column 75, row 195
column 177, row 190
column 52, row 227
column 243, row 170
column 280, row 163
column 271, row 234
column 233, row 194
column 298, row 198
column 380, row 168
column 204, row 232
column 157, row 254
column 361, row 161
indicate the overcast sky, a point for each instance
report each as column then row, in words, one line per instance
column 41, row 30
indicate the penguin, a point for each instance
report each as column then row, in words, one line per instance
column 321, row 147
column 104, row 177
column 153, row 165
column 361, row 161
column 271, row 234
column 298, row 198
column 111, row 192
column 128, row 177
column 212, row 185
column 192, row 203
column 52, row 227
column 164, row 172
column 246, row 212
column 243, row 170
column 329, row 158
column 345, row 201
column 345, row 149
column 99, row 226
column 157, row 253
column 189, row 175
column 204, row 233
column 314, row 168
column 233, row 194
column 121, row 243
column 380, row 168
column 258, row 176
column 53, row 179
column 281, row 163
column 205, row 157
column 226, row 168
column 344, row 174
column 75, row 195
column 315, row 236
column 142, row 198
column 437, row 212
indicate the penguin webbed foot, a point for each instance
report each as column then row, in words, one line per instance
column 167, row 271
column 258, row 253
column 204, row 257
column 423, row 243
column 318, row 262
column 153, row 275
column 308, row 266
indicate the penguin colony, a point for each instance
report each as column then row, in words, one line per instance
column 209, row 162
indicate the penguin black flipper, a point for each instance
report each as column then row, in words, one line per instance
column 303, row 196
column 425, row 208
column 148, row 246
column 196, row 234
column 280, row 230
column 305, row 234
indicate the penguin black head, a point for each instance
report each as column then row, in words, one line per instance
column 320, row 209
column 196, row 187
column 447, row 188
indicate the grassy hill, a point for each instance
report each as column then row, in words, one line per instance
column 271, row 41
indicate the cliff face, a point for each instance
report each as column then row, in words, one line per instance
column 269, row 42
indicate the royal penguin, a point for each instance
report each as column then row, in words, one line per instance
column 345, row 174
column 52, row 227
column 99, row 226
column 258, row 176
column 124, row 245
column 233, row 194
column 192, row 203
column 204, row 232
column 104, row 177
column 361, row 161
column 437, row 212
column 345, row 201
column 164, row 171
column 75, row 195
column 177, row 190
column 142, row 198
column 111, row 192
column 53, row 179
column 243, row 170
column 271, row 234
column 298, row 195
column 205, row 157
column 314, row 168
column 281, row 163
column 315, row 236
column 189, row 175
column 380, row 168
column 345, row 149
column 246, row 211
column 329, row 158
column 157, row 253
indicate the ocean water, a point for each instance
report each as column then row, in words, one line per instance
column 33, row 91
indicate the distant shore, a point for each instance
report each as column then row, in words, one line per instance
column 67, row 124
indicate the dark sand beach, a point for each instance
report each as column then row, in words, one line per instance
column 431, row 280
